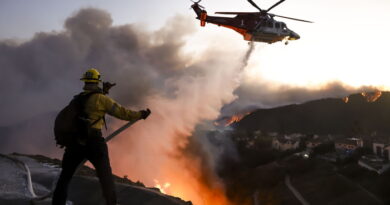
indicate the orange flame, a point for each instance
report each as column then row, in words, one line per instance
column 346, row 99
column 158, row 157
column 160, row 147
column 162, row 187
column 372, row 96
column 235, row 118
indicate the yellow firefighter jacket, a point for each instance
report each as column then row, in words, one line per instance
column 98, row 105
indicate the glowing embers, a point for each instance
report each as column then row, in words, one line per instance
column 372, row 96
column 190, row 183
column 162, row 187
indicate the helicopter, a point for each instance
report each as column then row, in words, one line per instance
column 253, row 26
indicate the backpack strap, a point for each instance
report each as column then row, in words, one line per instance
column 104, row 120
column 86, row 97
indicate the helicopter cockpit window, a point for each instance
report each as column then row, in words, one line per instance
column 278, row 25
column 284, row 26
column 270, row 24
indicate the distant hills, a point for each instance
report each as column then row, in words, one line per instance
column 357, row 114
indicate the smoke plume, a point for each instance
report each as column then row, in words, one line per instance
column 41, row 75
column 251, row 96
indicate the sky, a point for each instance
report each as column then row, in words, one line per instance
column 346, row 43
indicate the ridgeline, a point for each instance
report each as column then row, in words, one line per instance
column 354, row 115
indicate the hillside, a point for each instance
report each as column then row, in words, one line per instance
column 84, row 188
column 359, row 115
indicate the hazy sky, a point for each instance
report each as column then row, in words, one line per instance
column 348, row 41
column 22, row 18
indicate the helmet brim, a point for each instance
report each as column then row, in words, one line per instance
column 90, row 80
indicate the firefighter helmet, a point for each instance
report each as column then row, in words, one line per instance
column 91, row 76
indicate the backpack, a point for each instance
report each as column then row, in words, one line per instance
column 72, row 122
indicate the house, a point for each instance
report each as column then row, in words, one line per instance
column 348, row 145
column 381, row 149
column 295, row 136
column 285, row 143
column 316, row 141
column 379, row 161
column 368, row 140
column 312, row 143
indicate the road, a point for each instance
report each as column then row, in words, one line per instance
column 295, row 191
column 373, row 196
column 290, row 187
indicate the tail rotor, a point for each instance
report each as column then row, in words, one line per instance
column 197, row 3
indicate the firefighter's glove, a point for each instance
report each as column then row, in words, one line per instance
column 145, row 113
column 107, row 86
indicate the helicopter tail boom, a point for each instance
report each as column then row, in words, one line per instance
column 200, row 13
column 203, row 17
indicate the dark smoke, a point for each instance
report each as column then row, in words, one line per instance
column 41, row 75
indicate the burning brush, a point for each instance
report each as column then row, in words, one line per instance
column 372, row 96
column 369, row 96
column 229, row 120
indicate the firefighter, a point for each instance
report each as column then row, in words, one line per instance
column 93, row 147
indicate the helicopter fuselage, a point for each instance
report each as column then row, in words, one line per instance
column 252, row 26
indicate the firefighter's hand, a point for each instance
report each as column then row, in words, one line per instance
column 145, row 113
column 107, row 86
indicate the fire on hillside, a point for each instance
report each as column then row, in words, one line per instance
column 372, row 96
column 228, row 120
column 368, row 96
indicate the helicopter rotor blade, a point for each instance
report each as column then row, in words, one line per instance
column 197, row 3
column 255, row 5
column 295, row 19
column 235, row 13
column 275, row 5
